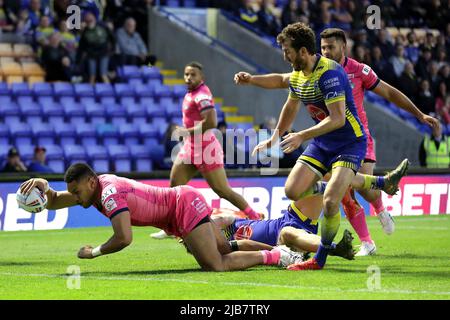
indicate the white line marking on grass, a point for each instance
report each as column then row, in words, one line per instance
column 399, row 219
column 421, row 228
column 240, row 284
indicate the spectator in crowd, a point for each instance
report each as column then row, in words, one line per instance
column 425, row 98
column 442, row 103
column 24, row 28
column 7, row 18
column 131, row 47
column 398, row 61
column 292, row 13
column 434, row 150
column 35, row 11
column 398, row 13
column 269, row 18
column 13, row 162
column 381, row 66
column 96, row 45
column 68, row 40
column 433, row 76
column 360, row 38
column 382, row 40
column 441, row 58
column 407, row 83
column 56, row 60
column 43, row 31
column 357, row 10
column 422, row 63
column 340, row 16
column 39, row 161
column 60, row 8
column 444, row 73
column 412, row 48
column 428, row 42
column 249, row 13
column 324, row 23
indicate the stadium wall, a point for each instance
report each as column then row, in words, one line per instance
column 419, row 195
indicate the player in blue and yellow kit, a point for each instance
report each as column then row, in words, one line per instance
column 339, row 141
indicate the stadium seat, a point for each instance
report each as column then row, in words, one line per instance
column 143, row 90
column 26, row 152
column 4, row 148
column 14, row 79
column 135, row 82
column 120, row 157
column 4, row 134
column 162, row 91
column 151, row 73
column 55, row 158
column 74, row 153
column 190, row 3
column 156, row 150
column 22, row 49
column 20, row 89
column 63, row 89
column 116, row 114
column 148, row 131
column 179, row 90
column 42, row 89
column 53, row 112
column 12, row 69
column 155, row 111
column 74, row 112
column 129, row 134
column 10, row 112
column 107, row 101
column 30, row 69
column 136, row 114
column 31, row 111
column 123, row 90
column 177, row 120
column 43, row 133
column 108, row 134
column 161, row 124
column 98, row 158
column 66, row 133
column 173, row 3
column 20, row 133
column 95, row 113
column 125, row 101
column 141, row 158
column 129, row 71
column 86, row 134
column 104, row 90
column 4, row 90
column 84, row 90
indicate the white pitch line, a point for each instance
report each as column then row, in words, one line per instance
column 252, row 284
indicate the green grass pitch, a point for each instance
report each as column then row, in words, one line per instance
column 414, row 263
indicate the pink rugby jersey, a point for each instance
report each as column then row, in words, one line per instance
column 148, row 205
column 361, row 77
column 194, row 103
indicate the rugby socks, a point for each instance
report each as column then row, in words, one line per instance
column 251, row 214
column 359, row 224
column 378, row 205
column 329, row 229
column 271, row 257
column 373, row 182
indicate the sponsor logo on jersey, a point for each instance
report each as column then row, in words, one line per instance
column 110, row 205
column 108, row 191
column 315, row 112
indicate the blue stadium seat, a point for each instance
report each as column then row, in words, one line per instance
column 55, row 158
column 86, row 134
column 10, row 112
column 162, row 91
column 129, row 134
column 136, row 114
column 67, row 100
column 143, row 90
column 177, row 120
column 129, row 71
column 107, row 101
column 74, row 112
column 43, row 100
column 98, row 158
column 147, row 132
column 108, row 134
column 173, row 3
column 42, row 89
column 190, row 3
column 152, row 73
column 20, row 133
column 147, row 101
column 135, row 82
column 43, row 133
column 116, row 114
column 20, row 89
column 26, row 152
column 53, row 112
column 96, row 113
column 179, row 90
column 84, row 90
column 4, row 90
column 156, row 150
column 4, row 134
column 125, row 101
column 155, row 111
column 5, row 99
column 63, row 89
column 87, row 100
column 120, row 157
column 141, row 156
column 123, row 90
column 4, row 148
column 31, row 111
column 161, row 125
column 66, row 133
column 74, row 153
column 104, row 90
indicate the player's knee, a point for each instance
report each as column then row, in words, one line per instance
column 291, row 193
column 331, row 205
column 213, row 267
column 286, row 236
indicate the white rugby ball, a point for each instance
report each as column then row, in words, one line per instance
column 35, row 202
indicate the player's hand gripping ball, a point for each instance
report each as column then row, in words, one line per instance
column 34, row 202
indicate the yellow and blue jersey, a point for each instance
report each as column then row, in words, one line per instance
column 328, row 83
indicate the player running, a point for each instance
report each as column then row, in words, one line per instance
column 339, row 141
column 201, row 150
column 362, row 77
column 181, row 211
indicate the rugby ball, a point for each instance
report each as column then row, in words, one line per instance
column 35, row 202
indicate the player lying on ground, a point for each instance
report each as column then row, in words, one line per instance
column 296, row 229
column 181, row 211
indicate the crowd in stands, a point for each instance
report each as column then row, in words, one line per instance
column 107, row 36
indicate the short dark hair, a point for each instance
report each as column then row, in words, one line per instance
column 78, row 171
column 300, row 35
column 195, row 64
column 337, row 33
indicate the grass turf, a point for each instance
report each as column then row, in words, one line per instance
column 414, row 263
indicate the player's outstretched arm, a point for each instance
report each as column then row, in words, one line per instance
column 266, row 81
column 56, row 199
column 122, row 238
column 398, row 98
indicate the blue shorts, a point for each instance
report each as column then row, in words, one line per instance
column 268, row 231
column 321, row 161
